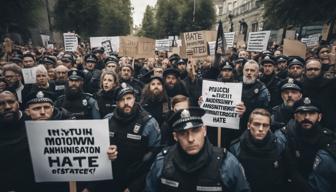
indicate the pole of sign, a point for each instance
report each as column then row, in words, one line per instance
column 219, row 137
column 73, row 186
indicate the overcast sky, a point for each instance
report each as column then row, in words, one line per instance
column 139, row 9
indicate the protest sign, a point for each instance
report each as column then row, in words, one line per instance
column 97, row 42
column 107, row 46
column 29, row 75
column 45, row 39
column 240, row 41
column 294, row 48
column 290, row 34
column 162, row 44
column 70, row 41
column 197, row 41
column 219, row 101
column 146, row 47
column 69, row 150
column 312, row 40
column 128, row 46
column 257, row 41
column 229, row 39
column 212, row 46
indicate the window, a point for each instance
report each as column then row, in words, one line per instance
column 254, row 27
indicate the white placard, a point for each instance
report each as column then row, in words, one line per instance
column 312, row 40
column 257, row 41
column 162, row 44
column 219, row 101
column 29, row 75
column 229, row 39
column 45, row 40
column 212, row 46
column 70, row 41
column 69, row 150
column 97, row 42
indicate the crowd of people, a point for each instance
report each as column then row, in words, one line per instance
column 158, row 142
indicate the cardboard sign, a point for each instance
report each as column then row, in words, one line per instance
column 70, row 42
column 29, row 75
column 97, row 42
column 219, row 101
column 146, row 47
column 69, row 150
column 229, row 39
column 128, row 46
column 257, row 41
column 107, row 46
column 197, row 42
column 325, row 31
column 240, row 41
column 294, row 48
column 290, row 34
column 162, row 44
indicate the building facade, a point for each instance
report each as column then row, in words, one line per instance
column 240, row 15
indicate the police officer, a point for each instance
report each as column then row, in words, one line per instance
column 290, row 93
column 305, row 138
column 81, row 105
column 226, row 74
column 295, row 69
column 40, row 106
column 91, row 74
column 261, row 154
column 193, row 163
column 270, row 79
column 281, row 62
column 136, row 135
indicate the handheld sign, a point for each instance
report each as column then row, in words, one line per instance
column 107, row 46
column 219, row 101
column 70, row 42
column 257, row 41
column 69, row 150
column 29, row 75
column 197, row 42
column 162, row 44
column 229, row 39
column 294, row 48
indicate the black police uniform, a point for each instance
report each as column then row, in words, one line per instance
column 174, row 170
column 281, row 114
column 304, row 145
column 137, row 136
column 82, row 107
column 272, row 83
column 91, row 77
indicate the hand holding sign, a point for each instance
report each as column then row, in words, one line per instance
column 112, row 152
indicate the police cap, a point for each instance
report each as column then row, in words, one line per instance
column 171, row 71
column 306, row 104
column 124, row 89
column 187, row 118
column 290, row 84
column 75, row 74
column 90, row 58
column 39, row 97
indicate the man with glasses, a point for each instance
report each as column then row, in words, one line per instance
column 261, row 154
column 321, row 89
